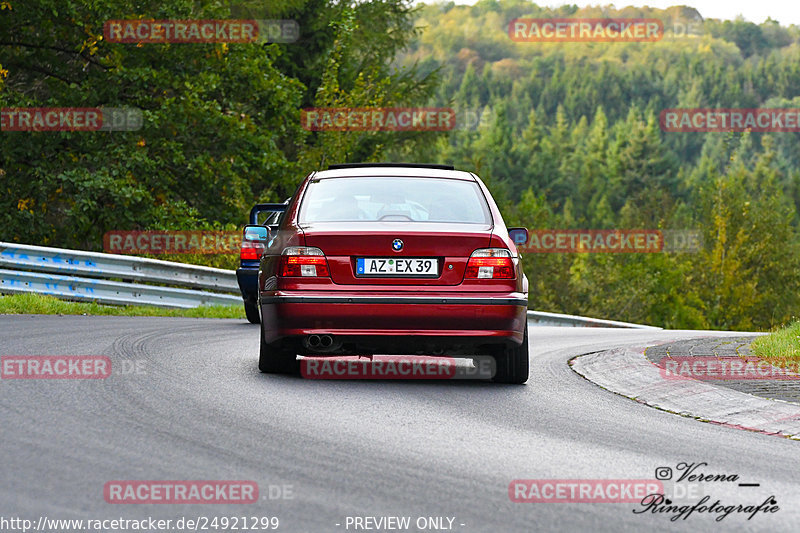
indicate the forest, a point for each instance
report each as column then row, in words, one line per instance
column 565, row 134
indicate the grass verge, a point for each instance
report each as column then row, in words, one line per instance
column 781, row 348
column 40, row 304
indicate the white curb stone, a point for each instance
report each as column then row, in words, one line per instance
column 628, row 372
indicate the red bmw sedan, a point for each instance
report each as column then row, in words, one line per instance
column 393, row 259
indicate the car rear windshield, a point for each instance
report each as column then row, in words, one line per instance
column 386, row 198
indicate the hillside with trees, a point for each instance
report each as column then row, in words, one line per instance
column 568, row 137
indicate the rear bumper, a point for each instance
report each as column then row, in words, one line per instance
column 420, row 319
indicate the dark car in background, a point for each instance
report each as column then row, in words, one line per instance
column 268, row 215
column 391, row 259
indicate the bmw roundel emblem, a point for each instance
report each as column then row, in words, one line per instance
column 397, row 245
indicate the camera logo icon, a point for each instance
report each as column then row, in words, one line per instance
column 663, row 473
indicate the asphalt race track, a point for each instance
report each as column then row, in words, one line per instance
column 322, row 451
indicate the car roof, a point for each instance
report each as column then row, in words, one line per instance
column 417, row 172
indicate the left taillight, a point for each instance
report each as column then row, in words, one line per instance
column 490, row 263
column 304, row 261
column 251, row 250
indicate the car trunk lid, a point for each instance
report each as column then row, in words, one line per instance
column 344, row 243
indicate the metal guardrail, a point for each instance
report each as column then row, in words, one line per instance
column 94, row 264
column 72, row 274
column 540, row 318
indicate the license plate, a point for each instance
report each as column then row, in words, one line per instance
column 397, row 266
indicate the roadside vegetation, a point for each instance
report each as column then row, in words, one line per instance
column 781, row 347
column 40, row 304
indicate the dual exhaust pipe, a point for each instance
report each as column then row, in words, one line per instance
column 321, row 343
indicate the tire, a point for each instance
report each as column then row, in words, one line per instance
column 273, row 359
column 251, row 311
column 513, row 363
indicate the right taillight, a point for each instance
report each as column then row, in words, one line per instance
column 251, row 250
column 490, row 263
column 304, row 261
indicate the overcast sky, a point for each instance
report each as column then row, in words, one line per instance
column 784, row 11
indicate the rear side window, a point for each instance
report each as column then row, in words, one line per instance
column 394, row 199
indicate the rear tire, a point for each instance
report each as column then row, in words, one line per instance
column 274, row 359
column 251, row 311
column 513, row 363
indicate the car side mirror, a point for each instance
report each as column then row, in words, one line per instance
column 256, row 233
column 518, row 235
